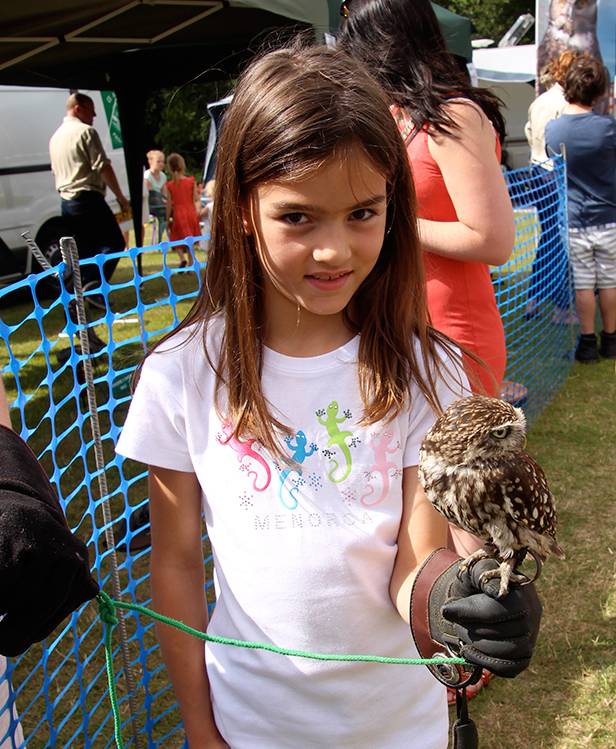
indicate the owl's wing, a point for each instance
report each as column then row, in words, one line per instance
column 523, row 489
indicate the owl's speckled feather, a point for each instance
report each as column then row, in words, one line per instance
column 474, row 470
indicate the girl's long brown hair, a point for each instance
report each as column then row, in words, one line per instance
column 177, row 166
column 294, row 110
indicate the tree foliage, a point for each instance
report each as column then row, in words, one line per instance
column 177, row 120
column 492, row 18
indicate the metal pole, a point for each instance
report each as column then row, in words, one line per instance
column 71, row 259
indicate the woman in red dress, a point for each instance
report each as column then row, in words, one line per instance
column 452, row 131
column 185, row 204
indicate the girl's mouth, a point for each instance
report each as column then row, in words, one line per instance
column 328, row 282
column 327, row 278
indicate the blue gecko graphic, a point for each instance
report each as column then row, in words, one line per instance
column 299, row 455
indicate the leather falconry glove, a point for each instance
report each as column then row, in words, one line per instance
column 455, row 613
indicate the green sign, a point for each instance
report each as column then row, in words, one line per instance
column 121, row 384
column 110, row 101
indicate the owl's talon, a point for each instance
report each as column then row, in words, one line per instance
column 490, row 575
column 487, row 552
column 525, row 580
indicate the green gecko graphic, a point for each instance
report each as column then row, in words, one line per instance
column 336, row 438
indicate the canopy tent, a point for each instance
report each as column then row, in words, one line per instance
column 133, row 46
column 65, row 43
column 457, row 31
column 506, row 64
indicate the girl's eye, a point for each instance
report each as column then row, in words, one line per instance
column 362, row 214
column 500, row 434
column 295, row 218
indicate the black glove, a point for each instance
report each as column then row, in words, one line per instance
column 456, row 609
column 44, row 568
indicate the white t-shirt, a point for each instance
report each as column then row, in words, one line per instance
column 550, row 105
column 8, row 738
column 157, row 184
column 303, row 557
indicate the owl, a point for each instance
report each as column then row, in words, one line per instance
column 474, row 470
column 572, row 24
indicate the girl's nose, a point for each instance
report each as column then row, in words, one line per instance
column 333, row 247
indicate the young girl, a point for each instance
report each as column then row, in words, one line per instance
column 156, row 187
column 184, row 203
column 290, row 406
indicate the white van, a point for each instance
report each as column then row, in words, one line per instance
column 28, row 197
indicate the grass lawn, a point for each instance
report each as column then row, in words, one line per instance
column 567, row 697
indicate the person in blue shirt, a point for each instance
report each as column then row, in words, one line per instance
column 589, row 141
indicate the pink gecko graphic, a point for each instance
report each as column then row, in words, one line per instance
column 245, row 450
column 381, row 465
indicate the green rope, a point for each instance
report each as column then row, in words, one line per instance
column 106, row 610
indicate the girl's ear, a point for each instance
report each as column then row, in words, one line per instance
column 246, row 220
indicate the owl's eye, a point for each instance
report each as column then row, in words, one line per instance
column 582, row 3
column 500, row 434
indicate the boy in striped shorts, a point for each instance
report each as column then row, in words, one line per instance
column 589, row 141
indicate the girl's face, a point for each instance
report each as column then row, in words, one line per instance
column 317, row 240
column 157, row 163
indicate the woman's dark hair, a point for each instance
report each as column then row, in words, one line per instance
column 586, row 81
column 401, row 43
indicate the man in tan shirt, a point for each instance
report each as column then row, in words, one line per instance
column 83, row 172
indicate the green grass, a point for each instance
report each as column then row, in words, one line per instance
column 567, row 697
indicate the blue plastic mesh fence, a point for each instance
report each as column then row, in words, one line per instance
column 59, row 687
column 534, row 290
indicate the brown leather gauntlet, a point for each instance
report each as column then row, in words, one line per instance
column 458, row 613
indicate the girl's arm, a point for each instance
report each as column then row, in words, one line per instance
column 485, row 230
column 178, row 590
column 169, row 207
column 197, row 201
column 422, row 530
column 5, row 418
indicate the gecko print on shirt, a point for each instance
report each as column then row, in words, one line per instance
column 299, row 456
column 337, row 439
column 382, row 466
column 246, row 450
